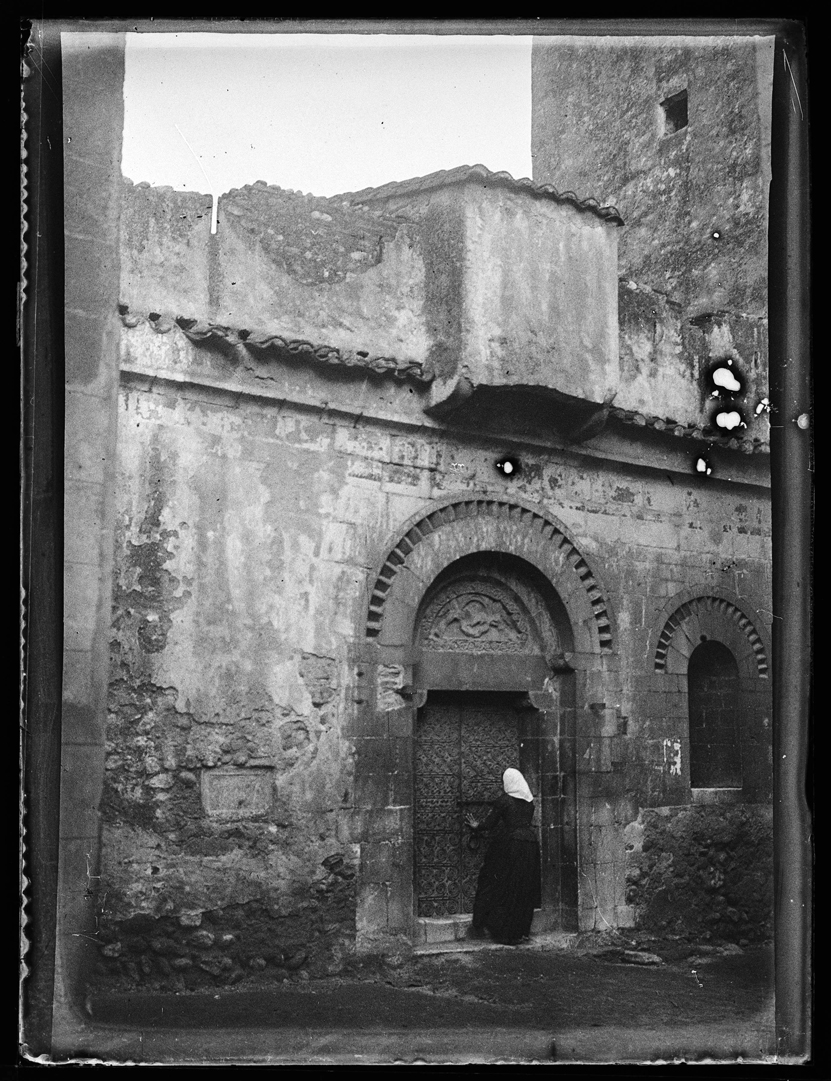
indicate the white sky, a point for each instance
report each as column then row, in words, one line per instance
column 322, row 113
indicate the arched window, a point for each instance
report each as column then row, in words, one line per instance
column 713, row 687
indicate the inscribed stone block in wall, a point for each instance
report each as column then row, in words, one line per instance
column 237, row 793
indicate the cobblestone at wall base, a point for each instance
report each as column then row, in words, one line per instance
column 704, row 870
column 225, row 946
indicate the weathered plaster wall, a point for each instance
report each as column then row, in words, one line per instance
column 249, row 533
column 522, row 287
column 540, row 295
column 217, row 695
column 694, row 201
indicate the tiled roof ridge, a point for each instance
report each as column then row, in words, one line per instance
column 465, row 172
column 358, row 199
column 264, row 342
column 703, row 432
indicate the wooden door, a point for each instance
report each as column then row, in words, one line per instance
column 464, row 743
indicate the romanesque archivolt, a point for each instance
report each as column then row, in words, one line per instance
column 727, row 611
column 531, row 520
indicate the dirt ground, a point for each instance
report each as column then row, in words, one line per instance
column 594, row 984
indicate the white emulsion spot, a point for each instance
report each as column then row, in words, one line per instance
column 723, row 377
column 729, row 420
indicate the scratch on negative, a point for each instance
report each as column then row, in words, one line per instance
column 790, row 72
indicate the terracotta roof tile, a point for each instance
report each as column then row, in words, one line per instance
column 705, row 432
column 461, row 173
column 265, row 343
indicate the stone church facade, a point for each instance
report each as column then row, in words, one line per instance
column 337, row 620
column 415, row 484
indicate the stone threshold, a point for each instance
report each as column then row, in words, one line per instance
column 433, row 930
column 548, row 940
column 438, row 930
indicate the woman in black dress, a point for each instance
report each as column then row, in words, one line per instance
column 508, row 890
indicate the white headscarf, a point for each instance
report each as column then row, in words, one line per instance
column 515, row 785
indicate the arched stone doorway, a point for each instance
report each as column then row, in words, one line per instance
column 494, row 691
column 556, row 661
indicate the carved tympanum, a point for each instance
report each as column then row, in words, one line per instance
column 476, row 617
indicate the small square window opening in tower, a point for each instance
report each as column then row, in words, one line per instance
column 675, row 112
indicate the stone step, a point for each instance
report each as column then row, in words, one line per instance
column 547, row 940
column 431, row 930
column 436, row 929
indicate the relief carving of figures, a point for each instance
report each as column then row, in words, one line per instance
column 476, row 617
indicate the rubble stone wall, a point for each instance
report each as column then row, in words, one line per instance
column 702, row 871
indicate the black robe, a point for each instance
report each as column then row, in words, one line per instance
column 508, row 889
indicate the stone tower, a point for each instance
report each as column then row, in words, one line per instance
column 676, row 133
